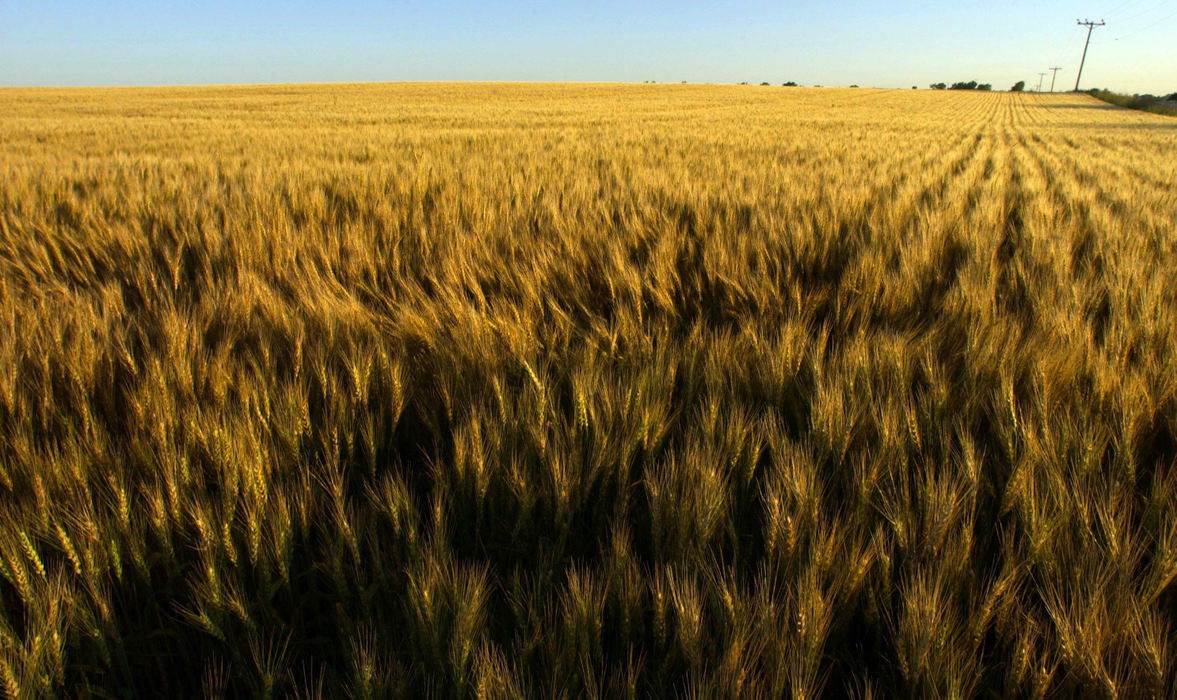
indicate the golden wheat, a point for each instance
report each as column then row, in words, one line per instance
column 607, row 390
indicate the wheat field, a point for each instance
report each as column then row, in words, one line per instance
column 518, row 390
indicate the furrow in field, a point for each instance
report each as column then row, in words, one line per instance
column 1104, row 189
column 918, row 193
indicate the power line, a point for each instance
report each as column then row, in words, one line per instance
column 1124, row 6
column 1090, row 25
column 1054, row 74
column 1144, row 12
column 1151, row 26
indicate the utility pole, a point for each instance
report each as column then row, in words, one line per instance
column 1040, row 77
column 1054, row 74
column 1090, row 25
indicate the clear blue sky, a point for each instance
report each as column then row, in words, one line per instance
column 893, row 44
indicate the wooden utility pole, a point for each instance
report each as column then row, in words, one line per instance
column 1090, row 25
column 1040, row 77
column 1054, row 74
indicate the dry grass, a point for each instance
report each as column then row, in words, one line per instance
column 508, row 390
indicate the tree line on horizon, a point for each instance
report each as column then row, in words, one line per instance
column 970, row 85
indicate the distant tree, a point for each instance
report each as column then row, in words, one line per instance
column 913, row 87
column 938, row 86
column 1172, row 98
column 789, row 84
column 1018, row 86
column 985, row 86
column 743, row 82
column 766, row 83
column 853, row 86
column 971, row 85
